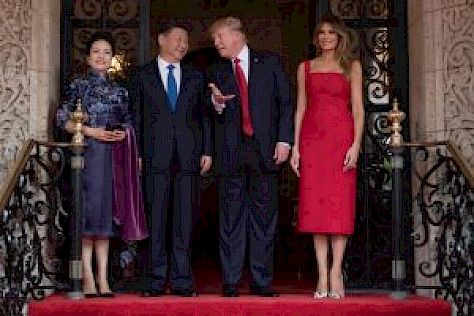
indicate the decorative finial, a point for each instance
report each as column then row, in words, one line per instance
column 395, row 116
column 78, row 117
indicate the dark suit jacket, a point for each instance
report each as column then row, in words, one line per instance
column 270, row 107
column 159, row 130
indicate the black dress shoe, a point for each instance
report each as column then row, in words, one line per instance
column 107, row 294
column 152, row 293
column 263, row 291
column 91, row 295
column 230, row 291
column 185, row 293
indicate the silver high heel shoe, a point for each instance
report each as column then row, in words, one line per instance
column 320, row 295
column 338, row 295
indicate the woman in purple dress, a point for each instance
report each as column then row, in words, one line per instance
column 107, row 129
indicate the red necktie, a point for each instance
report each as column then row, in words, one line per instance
column 244, row 99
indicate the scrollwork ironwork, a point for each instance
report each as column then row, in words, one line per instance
column 376, row 8
column 87, row 9
column 120, row 17
column 345, row 8
column 31, row 230
column 123, row 10
column 373, row 9
column 444, row 228
column 378, row 82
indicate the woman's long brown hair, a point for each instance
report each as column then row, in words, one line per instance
column 343, row 48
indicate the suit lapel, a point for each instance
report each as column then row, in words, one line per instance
column 256, row 72
column 157, row 86
column 185, row 78
column 230, row 83
column 157, row 82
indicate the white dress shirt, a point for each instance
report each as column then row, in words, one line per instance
column 162, row 66
column 244, row 57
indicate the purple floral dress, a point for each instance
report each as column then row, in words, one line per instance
column 106, row 104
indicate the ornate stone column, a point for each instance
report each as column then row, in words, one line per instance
column 29, row 72
column 441, row 52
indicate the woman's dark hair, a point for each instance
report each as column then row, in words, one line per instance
column 100, row 36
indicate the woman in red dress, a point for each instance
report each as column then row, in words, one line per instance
column 328, row 132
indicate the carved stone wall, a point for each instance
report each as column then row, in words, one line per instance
column 29, row 72
column 15, row 80
column 457, row 18
column 441, row 35
column 441, row 52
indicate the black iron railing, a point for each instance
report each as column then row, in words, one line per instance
column 33, row 221
column 31, row 226
column 443, row 219
column 443, row 212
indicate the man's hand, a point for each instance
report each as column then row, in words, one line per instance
column 206, row 163
column 219, row 100
column 281, row 153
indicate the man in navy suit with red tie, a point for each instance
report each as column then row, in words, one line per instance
column 253, row 133
column 174, row 136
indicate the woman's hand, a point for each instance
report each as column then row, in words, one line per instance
column 295, row 160
column 119, row 135
column 101, row 134
column 352, row 155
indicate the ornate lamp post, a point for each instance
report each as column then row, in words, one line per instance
column 77, row 165
column 395, row 116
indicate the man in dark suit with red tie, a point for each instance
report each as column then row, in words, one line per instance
column 253, row 133
column 174, row 136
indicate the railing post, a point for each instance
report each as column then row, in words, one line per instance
column 395, row 117
column 77, row 166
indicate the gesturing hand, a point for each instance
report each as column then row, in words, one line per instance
column 218, row 99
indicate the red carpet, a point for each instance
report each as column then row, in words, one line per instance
column 214, row 305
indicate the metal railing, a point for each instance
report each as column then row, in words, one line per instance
column 33, row 222
column 443, row 218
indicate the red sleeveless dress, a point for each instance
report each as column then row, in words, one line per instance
column 327, row 194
